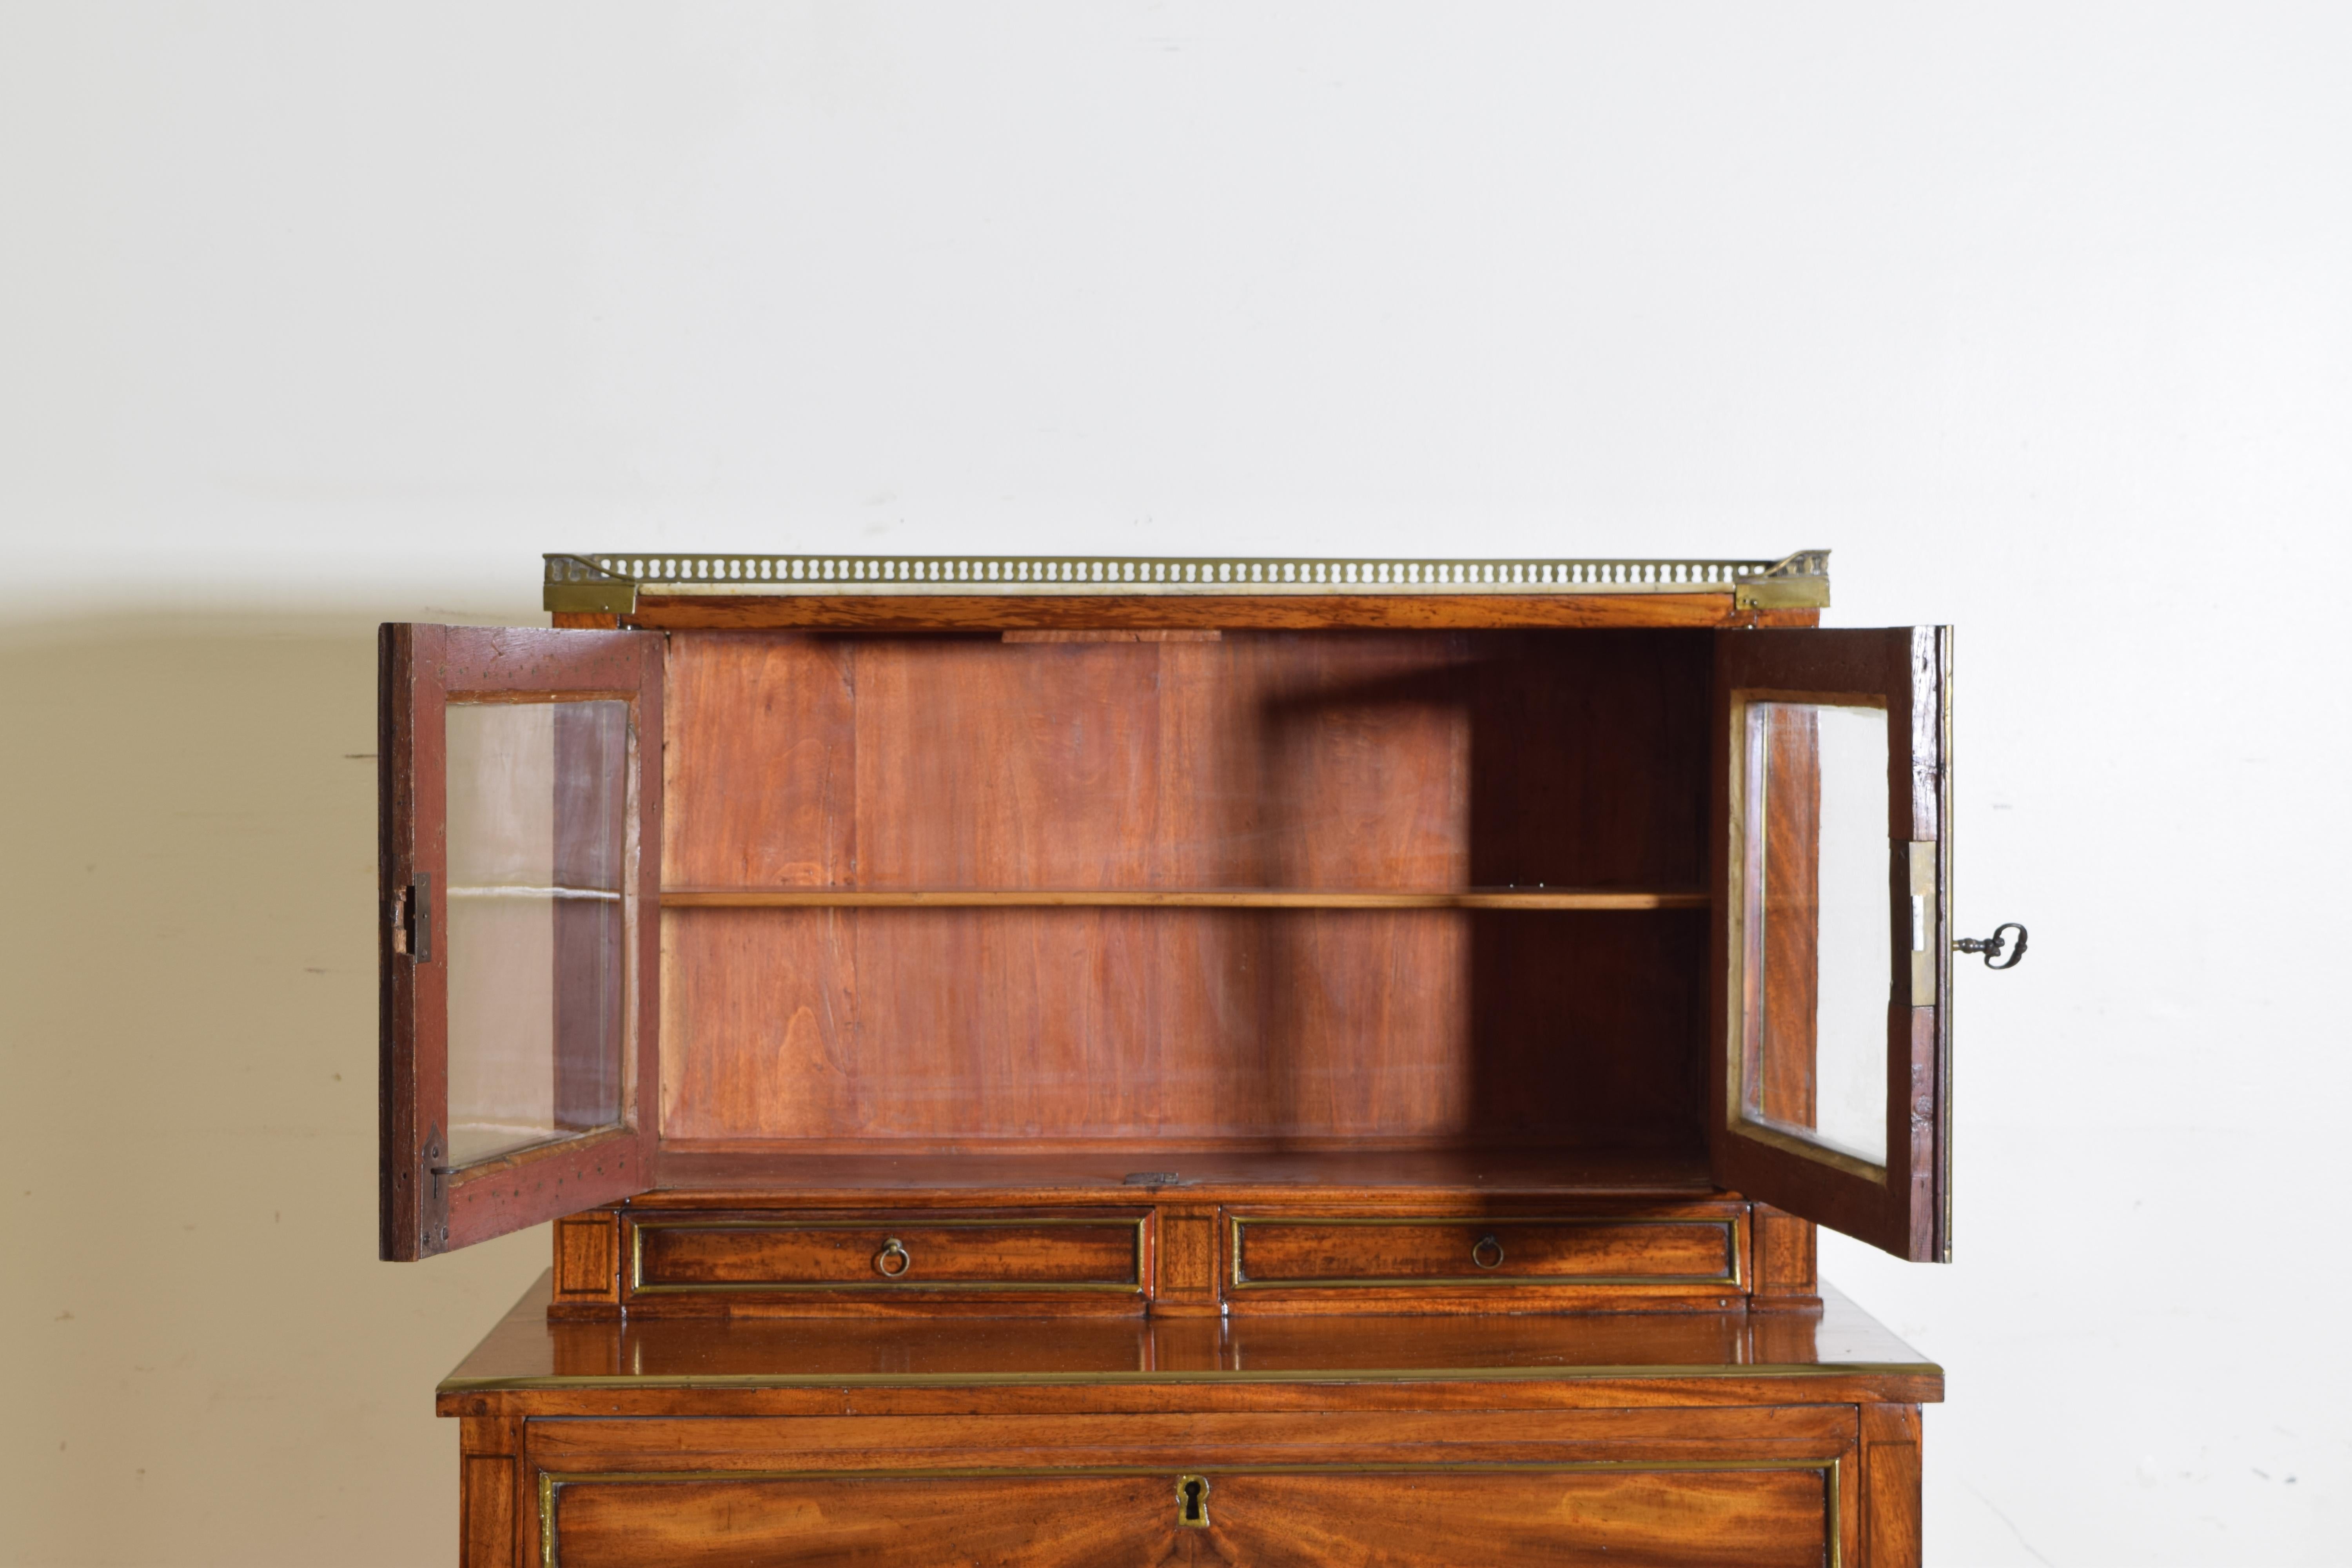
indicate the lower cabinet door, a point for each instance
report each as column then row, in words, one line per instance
column 1755, row 1515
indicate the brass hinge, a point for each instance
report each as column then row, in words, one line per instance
column 1923, row 956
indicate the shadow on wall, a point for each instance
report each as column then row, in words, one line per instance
column 209, row 1365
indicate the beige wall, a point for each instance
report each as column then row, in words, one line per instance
column 2036, row 314
column 208, row 1365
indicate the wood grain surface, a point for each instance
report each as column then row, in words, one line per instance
column 1519, row 1481
column 1786, row 1249
column 939, row 612
column 1066, row 1368
column 490, row 1526
column 1410, row 767
column 977, row 1251
column 1102, row 1250
column 1488, row 1249
column 1343, row 761
column 1756, row 1518
column 587, row 1262
column 1784, row 1435
column 1891, row 1489
column 947, row 1028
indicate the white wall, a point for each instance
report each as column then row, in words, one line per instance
column 2040, row 316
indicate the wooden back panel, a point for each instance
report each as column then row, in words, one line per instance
column 1329, row 760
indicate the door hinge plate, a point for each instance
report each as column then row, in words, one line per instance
column 1924, row 934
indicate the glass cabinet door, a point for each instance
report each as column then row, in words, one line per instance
column 519, row 853
column 1831, row 1052
column 536, row 842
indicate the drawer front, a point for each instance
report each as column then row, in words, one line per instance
column 1762, row 1515
column 728, row 1256
column 1310, row 1252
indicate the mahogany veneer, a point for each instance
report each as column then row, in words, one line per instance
column 1112, row 1078
column 1728, row 1437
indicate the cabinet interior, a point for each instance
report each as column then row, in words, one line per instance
column 949, row 909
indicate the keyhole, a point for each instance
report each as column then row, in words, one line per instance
column 1192, row 1502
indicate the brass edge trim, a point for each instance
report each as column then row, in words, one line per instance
column 1833, row 1485
column 611, row 581
column 1730, row 1281
column 637, row 1228
column 1944, row 829
column 1717, row 1372
column 1919, row 875
column 548, row 1480
column 1831, row 1470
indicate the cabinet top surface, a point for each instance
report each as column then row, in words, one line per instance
column 527, row 1352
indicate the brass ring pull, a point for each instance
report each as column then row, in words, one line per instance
column 883, row 1259
column 1487, row 1253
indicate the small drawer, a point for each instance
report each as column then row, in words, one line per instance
column 1294, row 1252
column 683, row 1255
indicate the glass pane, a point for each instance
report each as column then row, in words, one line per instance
column 537, row 841
column 1819, row 899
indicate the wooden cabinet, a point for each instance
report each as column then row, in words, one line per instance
column 1258, row 1061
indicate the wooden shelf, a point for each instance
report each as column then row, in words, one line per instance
column 1182, row 898
column 1241, row 1169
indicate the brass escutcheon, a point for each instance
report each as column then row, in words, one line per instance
column 892, row 1249
column 1192, row 1502
column 1479, row 1253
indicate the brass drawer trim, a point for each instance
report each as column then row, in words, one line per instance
column 1731, row 1279
column 1133, row 1286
